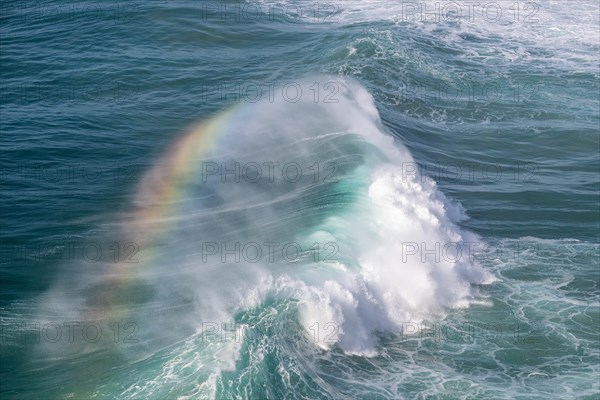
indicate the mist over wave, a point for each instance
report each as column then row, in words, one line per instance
column 365, row 227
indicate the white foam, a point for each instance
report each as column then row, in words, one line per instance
column 390, row 288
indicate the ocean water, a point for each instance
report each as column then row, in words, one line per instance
column 300, row 200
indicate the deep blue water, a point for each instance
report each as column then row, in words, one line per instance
column 429, row 125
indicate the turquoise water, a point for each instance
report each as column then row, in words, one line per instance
column 447, row 206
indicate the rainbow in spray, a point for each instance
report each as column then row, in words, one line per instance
column 166, row 182
column 160, row 192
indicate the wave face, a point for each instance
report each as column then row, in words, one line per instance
column 274, row 226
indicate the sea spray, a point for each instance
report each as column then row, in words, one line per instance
column 200, row 234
